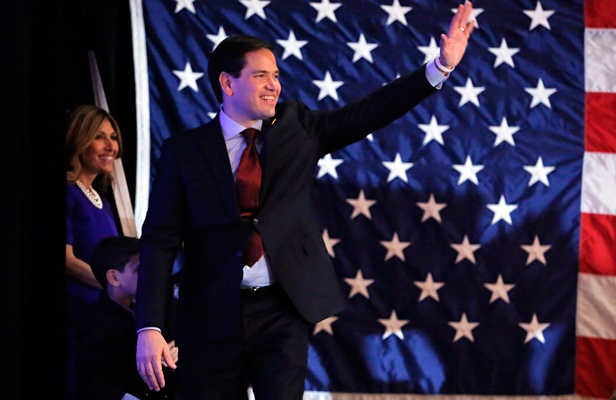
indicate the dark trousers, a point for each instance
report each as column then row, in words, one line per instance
column 271, row 354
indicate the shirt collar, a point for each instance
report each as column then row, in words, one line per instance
column 121, row 305
column 230, row 128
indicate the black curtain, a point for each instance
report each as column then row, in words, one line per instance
column 45, row 74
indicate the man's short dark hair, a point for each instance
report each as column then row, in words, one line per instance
column 113, row 252
column 229, row 57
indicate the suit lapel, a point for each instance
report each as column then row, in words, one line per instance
column 213, row 145
column 265, row 157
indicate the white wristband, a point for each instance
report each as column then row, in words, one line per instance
column 441, row 67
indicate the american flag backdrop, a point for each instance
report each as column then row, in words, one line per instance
column 455, row 231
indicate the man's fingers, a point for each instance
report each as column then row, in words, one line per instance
column 466, row 14
column 461, row 19
column 168, row 359
column 145, row 376
column 469, row 28
column 155, row 380
column 456, row 20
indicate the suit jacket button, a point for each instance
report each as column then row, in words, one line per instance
column 239, row 254
column 255, row 221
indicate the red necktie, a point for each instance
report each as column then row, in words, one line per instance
column 248, row 184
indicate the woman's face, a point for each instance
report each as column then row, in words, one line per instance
column 103, row 150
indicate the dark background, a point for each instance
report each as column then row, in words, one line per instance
column 45, row 74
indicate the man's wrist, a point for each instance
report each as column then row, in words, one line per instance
column 441, row 68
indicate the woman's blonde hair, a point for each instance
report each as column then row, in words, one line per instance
column 84, row 124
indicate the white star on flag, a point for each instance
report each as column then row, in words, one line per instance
column 469, row 93
column 502, row 210
column 536, row 251
column 503, row 54
column 431, row 51
column 504, row 132
column 499, row 289
column 433, row 131
column 465, row 250
column 326, row 9
column 254, row 7
column 361, row 205
column 395, row 247
column 468, row 171
column 464, row 328
column 216, row 39
column 539, row 173
column 429, row 288
column 534, row 330
column 539, row 17
column 327, row 166
column 325, row 325
column 396, row 13
column 330, row 243
column 212, row 115
column 359, row 285
column 431, row 209
column 292, row 46
column 328, row 87
column 397, row 168
column 474, row 14
column 362, row 48
column 370, row 137
column 393, row 326
column 188, row 78
column 540, row 95
column 185, row 4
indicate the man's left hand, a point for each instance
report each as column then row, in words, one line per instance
column 453, row 45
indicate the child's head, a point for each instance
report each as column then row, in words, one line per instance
column 115, row 264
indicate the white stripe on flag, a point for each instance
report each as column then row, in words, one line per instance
column 599, row 183
column 142, row 93
column 600, row 60
column 596, row 307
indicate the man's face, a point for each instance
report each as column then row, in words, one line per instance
column 254, row 94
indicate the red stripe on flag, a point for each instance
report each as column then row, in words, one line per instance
column 600, row 13
column 597, row 249
column 595, row 372
column 600, row 122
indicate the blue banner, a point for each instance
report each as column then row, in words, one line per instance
column 454, row 230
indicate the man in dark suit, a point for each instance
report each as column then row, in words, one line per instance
column 256, row 274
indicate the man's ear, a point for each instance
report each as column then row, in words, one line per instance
column 112, row 278
column 225, row 83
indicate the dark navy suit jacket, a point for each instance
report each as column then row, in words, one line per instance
column 193, row 201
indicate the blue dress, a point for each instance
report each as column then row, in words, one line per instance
column 86, row 225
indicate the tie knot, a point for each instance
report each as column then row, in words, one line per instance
column 250, row 135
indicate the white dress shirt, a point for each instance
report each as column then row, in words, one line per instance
column 260, row 274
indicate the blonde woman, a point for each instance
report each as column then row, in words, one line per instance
column 93, row 143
